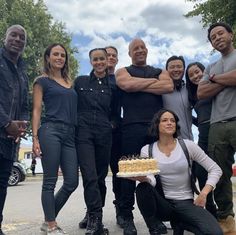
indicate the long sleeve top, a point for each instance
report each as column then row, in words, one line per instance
column 174, row 170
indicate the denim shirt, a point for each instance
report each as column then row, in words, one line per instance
column 95, row 101
column 13, row 91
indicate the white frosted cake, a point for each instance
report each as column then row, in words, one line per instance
column 136, row 166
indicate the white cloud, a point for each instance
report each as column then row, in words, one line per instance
column 161, row 23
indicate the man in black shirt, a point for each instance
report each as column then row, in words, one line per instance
column 13, row 104
column 142, row 86
column 112, row 55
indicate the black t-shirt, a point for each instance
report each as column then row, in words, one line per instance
column 203, row 110
column 60, row 102
column 139, row 107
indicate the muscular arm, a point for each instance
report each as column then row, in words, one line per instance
column 226, row 79
column 162, row 85
column 131, row 84
column 208, row 89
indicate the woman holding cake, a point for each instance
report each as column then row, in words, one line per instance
column 171, row 197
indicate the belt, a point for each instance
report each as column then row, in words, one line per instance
column 229, row 120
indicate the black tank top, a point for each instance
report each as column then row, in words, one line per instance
column 139, row 107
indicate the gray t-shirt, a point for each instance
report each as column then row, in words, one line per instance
column 224, row 103
column 178, row 102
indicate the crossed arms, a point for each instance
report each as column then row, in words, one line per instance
column 151, row 85
column 215, row 84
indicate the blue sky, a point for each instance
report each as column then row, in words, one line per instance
column 160, row 23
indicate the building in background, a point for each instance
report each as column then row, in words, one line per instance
column 25, row 157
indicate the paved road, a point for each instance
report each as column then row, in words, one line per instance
column 23, row 212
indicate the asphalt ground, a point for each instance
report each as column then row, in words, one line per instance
column 23, row 213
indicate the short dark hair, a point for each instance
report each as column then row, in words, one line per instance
column 112, row 47
column 225, row 25
column 192, row 88
column 154, row 128
column 175, row 57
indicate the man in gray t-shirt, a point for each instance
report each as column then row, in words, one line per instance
column 177, row 101
column 219, row 82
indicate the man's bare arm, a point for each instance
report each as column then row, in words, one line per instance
column 226, row 79
column 208, row 89
column 131, row 84
column 162, row 85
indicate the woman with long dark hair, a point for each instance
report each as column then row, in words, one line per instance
column 194, row 73
column 53, row 140
column 173, row 199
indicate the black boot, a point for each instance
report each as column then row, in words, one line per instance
column 94, row 226
column 129, row 227
column 155, row 226
column 84, row 221
column 119, row 218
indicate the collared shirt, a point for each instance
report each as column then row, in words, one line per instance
column 95, row 101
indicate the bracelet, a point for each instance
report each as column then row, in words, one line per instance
column 211, row 78
column 7, row 125
column 35, row 136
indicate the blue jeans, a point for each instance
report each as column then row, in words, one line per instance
column 5, row 171
column 58, row 149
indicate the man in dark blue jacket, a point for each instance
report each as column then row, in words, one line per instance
column 13, row 104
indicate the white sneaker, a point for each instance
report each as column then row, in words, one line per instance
column 56, row 230
column 167, row 224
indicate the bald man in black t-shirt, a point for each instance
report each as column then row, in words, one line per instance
column 142, row 86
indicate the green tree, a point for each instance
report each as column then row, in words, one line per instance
column 213, row 11
column 41, row 31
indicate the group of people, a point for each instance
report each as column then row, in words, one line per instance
column 91, row 122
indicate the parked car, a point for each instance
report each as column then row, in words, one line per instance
column 18, row 174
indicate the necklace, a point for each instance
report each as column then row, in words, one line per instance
column 167, row 149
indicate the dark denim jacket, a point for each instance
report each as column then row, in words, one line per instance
column 97, row 101
column 10, row 76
